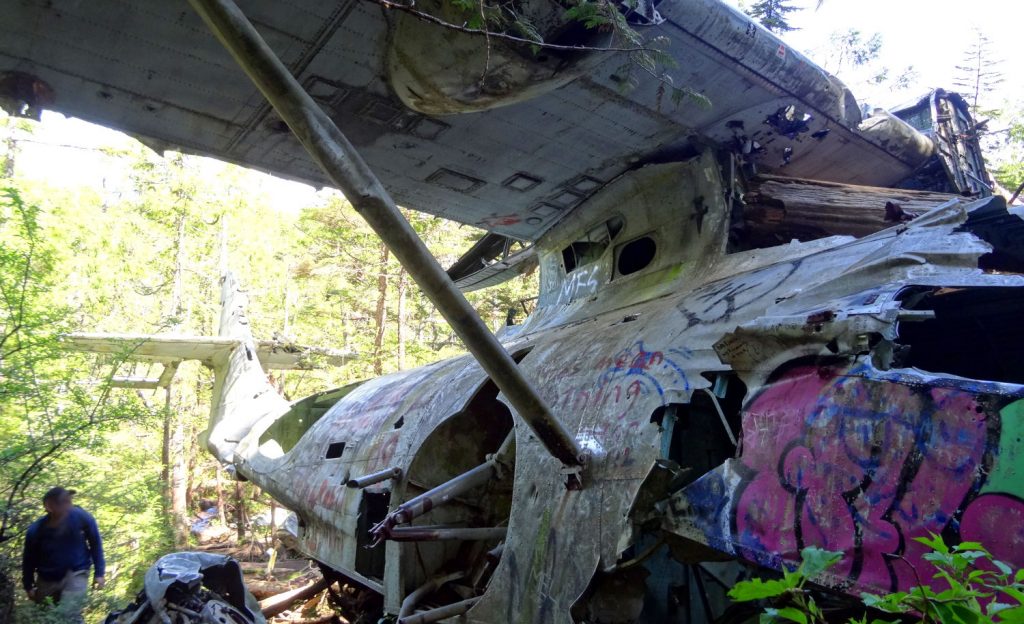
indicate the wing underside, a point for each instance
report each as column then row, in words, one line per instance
column 151, row 68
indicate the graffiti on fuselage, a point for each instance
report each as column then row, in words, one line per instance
column 616, row 395
column 835, row 459
column 719, row 301
column 582, row 282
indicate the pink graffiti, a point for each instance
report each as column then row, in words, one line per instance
column 859, row 466
column 997, row 521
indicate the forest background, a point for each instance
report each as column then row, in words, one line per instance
column 141, row 256
column 140, row 253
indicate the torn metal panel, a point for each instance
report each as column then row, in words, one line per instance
column 192, row 587
column 946, row 120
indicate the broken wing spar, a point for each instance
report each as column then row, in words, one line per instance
column 346, row 168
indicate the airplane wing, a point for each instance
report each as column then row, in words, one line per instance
column 509, row 146
column 171, row 350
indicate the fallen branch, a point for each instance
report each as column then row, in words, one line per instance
column 276, row 604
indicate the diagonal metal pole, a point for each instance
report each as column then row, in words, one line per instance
column 339, row 159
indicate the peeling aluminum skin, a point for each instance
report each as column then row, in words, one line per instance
column 610, row 352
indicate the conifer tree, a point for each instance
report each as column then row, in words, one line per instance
column 978, row 74
column 773, row 14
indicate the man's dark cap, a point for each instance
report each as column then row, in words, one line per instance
column 56, row 493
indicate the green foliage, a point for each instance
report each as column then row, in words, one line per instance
column 141, row 254
column 968, row 587
column 49, row 414
column 1006, row 148
column 773, row 14
column 792, row 603
column 45, row 410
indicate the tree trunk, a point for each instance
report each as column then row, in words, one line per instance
column 175, row 451
column 165, row 447
column 220, row 496
column 381, row 315
column 11, row 145
column 276, row 604
column 179, row 480
column 780, row 209
column 403, row 283
column 193, row 454
column 240, row 515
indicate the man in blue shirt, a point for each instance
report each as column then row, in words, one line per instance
column 60, row 548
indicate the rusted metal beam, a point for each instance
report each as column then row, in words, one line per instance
column 374, row 478
column 345, row 167
column 426, row 589
column 416, row 507
column 440, row 534
column 440, row 613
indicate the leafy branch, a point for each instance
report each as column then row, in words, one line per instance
column 973, row 588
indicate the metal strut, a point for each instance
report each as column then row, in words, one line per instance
column 326, row 144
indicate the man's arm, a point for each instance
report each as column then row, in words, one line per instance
column 28, row 562
column 92, row 536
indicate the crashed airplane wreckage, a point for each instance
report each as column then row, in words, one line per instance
column 762, row 325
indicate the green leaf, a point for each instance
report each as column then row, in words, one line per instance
column 973, row 555
column 934, row 542
column 791, row 614
column 1014, row 593
column 891, row 603
column 1014, row 615
column 756, row 589
column 817, row 560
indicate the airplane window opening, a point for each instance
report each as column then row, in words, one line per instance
column 590, row 249
column 373, row 507
column 335, row 450
column 976, row 333
column 581, row 253
column 636, row 255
